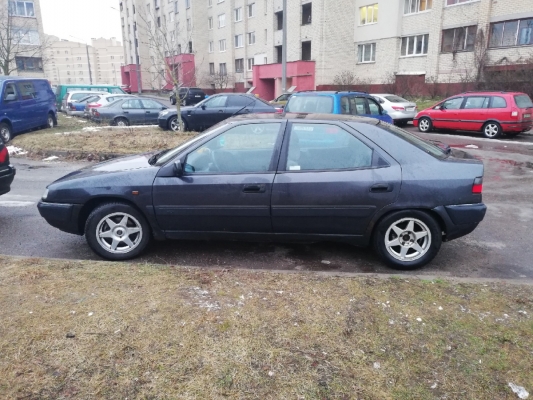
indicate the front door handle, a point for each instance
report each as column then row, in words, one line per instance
column 254, row 189
column 381, row 188
column 220, row 111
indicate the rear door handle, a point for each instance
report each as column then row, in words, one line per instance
column 381, row 188
column 254, row 189
column 220, row 111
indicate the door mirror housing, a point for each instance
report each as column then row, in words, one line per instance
column 178, row 168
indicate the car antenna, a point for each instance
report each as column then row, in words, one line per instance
column 239, row 110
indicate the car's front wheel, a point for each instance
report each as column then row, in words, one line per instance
column 117, row 231
column 174, row 125
column 425, row 125
column 5, row 132
column 407, row 239
column 492, row 130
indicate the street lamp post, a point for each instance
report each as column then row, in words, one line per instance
column 88, row 59
column 284, row 50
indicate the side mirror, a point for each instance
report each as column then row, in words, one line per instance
column 178, row 168
column 11, row 97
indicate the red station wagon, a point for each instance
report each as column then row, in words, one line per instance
column 492, row 113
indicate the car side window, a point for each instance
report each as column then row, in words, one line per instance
column 345, row 105
column 453, row 104
column 132, row 104
column 242, row 149
column 10, row 92
column 315, row 147
column 476, row 102
column 151, row 104
column 240, row 101
column 373, row 107
column 498, row 102
column 216, row 102
column 360, row 106
column 27, row 91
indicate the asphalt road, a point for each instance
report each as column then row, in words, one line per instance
column 499, row 248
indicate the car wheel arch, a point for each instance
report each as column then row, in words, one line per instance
column 492, row 120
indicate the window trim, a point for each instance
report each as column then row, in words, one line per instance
column 218, row 19
column 241, row 36
column 372, row 53
column 414, row 54
column 460, row 4
column 417, row 12
column 251, row 7
column 235, row 14
column 367, row 7
column 517, row 35
column 464, row 50
column 220, row 47
column 248, row 64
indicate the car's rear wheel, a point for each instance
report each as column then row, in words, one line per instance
column 492, row 130
column 50, row 121
column 122, row 122
column 117, row 231
column 5, row 132
column 407, row 239
column 425, row 125
column 174, row 126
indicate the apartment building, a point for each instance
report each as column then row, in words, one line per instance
column 22, row 37
column 70, row 62
column 380, row 41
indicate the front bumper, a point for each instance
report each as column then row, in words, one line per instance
column 162, row 122
column 460, row 220
column 7, row 174
column 64, row 217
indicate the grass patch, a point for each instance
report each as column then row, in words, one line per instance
column 423, row 103
column 153, row 332
column 70, row 136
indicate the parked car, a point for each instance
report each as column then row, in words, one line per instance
column 401, row 110
column 345, row 103
column 290, row 177
column 281, row 101
column 102, row 100
column 74, row 96
column 129, row 111
column 77, row 107
column 7, row 171
column 492, row 113
column 213, row 110
column 126, row 88
column 188, row 96
column 27, row 103
column 62, row 90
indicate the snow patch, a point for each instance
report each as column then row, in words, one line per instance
column 15, row 151
column 519, row 391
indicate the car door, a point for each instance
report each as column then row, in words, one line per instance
column 151, row 111
column 473, row 113
column 209, row 113
column 11, row 107
column 134, row 111
column 28, row 104
column 375, row 111
column 446, row 116
column 330, row 181
column 226, row 186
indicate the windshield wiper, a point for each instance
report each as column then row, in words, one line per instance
column 152, row 160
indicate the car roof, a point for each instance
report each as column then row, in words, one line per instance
column 328, row 93
column 307, row 117
column 489, row 92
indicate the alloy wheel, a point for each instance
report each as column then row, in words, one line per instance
column 119, row 233
column 174, row 125
column 6, row 134
column 492, row 130
column 424, row 125
column 408, row 239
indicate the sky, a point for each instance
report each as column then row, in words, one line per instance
column 84, row 19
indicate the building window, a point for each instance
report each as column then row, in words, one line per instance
column 29, row 63
column 222, row 20
column 453, row 2
column 26, row 36
column 368, row 14
column 459, row 39
column 251, row 37
column 306, row 13
column 511, row 33
column 238, row 14
column 222, row 69
column 239, row 41
column 416, row 6
column 279, row 20
column 211, row 47
column 250, row 64
column 415, row 45
column 222, row 45
column 211, row 68
column 21, row 8
column 306, row 51
column 209, row 3
column 366, row 53
column 187, row 3
column 210, row 22
column 251, row 10
column 239, row 65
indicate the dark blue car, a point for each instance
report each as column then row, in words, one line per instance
column 26, row 104
column 344, row 103
column 291, row 177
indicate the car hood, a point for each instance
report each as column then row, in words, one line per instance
column 184, row 109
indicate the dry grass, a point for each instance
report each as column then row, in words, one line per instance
column 76, row 135
column 152, row 332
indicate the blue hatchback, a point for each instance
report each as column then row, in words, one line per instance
column 346, row 103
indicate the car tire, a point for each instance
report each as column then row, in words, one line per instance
column 102, row 236
column 425, row 125
column 173, row 124
column 51, row 121
column 122, row 122
column 407, row 240
column 492, row 130
column 5, row 132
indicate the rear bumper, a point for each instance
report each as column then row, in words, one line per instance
column 460, row 220
column 7, row 174
column 517, row 127
column 61, row 216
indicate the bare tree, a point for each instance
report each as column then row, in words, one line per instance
column 19, row 39
column 345, row 80
column 220, row 80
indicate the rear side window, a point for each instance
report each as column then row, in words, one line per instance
column 422, row 144
column 476, row 102
column 523, row 101
column 310, row 104
column 498, row 102
column 132, row 104
column 239, row 101
column 27, row 90
column 374, row 107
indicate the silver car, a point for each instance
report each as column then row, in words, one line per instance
column 401, row 110
column 103, row 100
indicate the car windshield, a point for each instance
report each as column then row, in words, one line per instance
column 396, row 99
column 422, row 144
column 310, row 104
column 523, row 101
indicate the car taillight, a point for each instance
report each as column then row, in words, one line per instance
column 4, row 156
column 477, row 187
column 94, row 105
column 398, row 108
column 279, row 110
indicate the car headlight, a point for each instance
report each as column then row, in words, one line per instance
column 45, row 195
column 163, row 113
